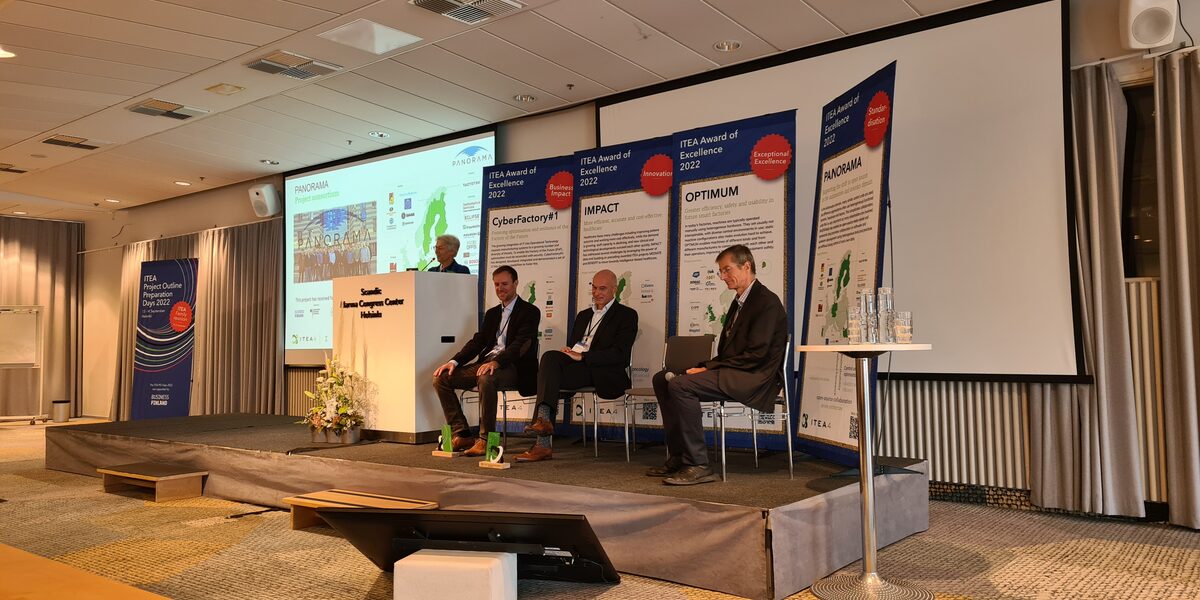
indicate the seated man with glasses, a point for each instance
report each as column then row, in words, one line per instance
column 746, row 369
column 597, row 355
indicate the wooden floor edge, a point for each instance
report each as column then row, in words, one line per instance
column 43, row 577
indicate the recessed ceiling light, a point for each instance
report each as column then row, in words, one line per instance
column 19, row 212
column 525, row 98
column 383, row 135
column 727, row 45
column 225, row 89
column 183, row 183
column 113, row 200
column 267, row 161
column 370, row 36
column 5, row 53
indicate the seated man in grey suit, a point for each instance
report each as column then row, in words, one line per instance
column 596, row 355
column 445, row 249
column 745, row 369
column 502, row 354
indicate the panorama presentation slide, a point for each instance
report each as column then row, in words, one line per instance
column 377, row 215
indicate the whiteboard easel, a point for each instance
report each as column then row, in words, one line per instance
column 21, row 347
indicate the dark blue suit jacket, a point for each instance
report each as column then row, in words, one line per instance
column 453, row 268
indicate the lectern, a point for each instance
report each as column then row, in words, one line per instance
column 394, row 329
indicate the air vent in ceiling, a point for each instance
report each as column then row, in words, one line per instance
column 469, row 11
column 293, row 65
column 161, row 108
column 7, row 168
column 71, row 141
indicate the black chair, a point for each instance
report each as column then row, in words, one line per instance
column 680, row 353
column 721, row 411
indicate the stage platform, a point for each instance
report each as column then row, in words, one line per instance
column 758, row 535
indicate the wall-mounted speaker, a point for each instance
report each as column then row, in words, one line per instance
column 264, row 200
column 1147, row 23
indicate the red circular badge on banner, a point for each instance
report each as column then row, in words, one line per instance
column 560, row 190
column 879, row 114
column 656, row 175
column 181, row 316
column 771, row 156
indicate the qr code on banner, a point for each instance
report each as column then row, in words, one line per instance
column 854, row 427
column 649, row 412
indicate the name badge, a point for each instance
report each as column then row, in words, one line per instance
column 581, row 347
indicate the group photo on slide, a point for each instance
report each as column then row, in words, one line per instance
column 553, row 299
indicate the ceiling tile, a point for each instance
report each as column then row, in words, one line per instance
column 53, row 41
column 82, row 24
column 863, row 15
column 30, row 57
column 11, row 73
column 552, row 41
column 399, row 100
column 702, row 27
column 786, row 24
column 427, row 86
column 621, row 33
column 338, row 6
column 177, row 18
column 456, row 69
column 384, row 118
column 929, row 7
column 354, row 131
column 309, row 130
column 502, row 56
column 281, row 13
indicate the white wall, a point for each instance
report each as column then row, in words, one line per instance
column 542, row 136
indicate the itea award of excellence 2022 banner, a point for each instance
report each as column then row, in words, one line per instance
column 846, row 256
column 735, row 185
column 526, row 224
column 162, row 357
column 623, row 195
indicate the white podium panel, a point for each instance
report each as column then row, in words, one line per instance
column 394, row 329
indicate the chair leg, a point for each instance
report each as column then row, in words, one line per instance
column 504, row 430
column 721, row 418
column 596, row 425
column 787, row 432
column 625, row 405
column 754, row 435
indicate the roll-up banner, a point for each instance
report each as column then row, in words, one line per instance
column 162, row 357
column 846, row 256
column 623, row 197
column 735, row 184
column 526, row 224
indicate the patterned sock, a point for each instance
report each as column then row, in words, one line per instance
column 545, row 441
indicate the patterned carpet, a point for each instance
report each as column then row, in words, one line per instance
column 209, row 548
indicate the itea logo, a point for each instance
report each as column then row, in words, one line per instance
column 472, row 155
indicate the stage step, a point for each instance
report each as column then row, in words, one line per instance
column 45, row 578
column 304, row 507
column 169, row 481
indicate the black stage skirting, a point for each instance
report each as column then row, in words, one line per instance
column 758, row 535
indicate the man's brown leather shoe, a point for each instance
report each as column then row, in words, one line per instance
column 535, row 454
column 540, row 426
column 460, row 443
column 479, row 449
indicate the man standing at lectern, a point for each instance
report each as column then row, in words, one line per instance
column 504, row 354
column 597, row 355
column 746, row 369
column 445, row 249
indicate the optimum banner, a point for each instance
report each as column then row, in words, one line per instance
column 846, row 256
column 735, row 184
column 623, row 194
column 162, row 358
column 526, row 224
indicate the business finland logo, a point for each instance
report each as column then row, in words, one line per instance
column 472, row 155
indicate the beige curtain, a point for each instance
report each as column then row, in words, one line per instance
column 184, row 246
column 1177, row 114
column 237, row 366
column 1084, row 443
column 239, row 360
column 40, row 266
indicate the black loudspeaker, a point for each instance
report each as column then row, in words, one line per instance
column 1147, row 23
column 264, row 200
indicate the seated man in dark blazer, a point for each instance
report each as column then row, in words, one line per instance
column 597, row 354
column 504, row 352
column 445, row 249
column 746, row 369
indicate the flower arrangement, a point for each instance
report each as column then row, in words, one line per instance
column 339, row 397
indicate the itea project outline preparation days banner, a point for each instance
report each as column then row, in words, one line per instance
column 846, row 257
column 382, row 215
column 166, row 339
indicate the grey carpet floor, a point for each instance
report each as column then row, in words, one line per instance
column 209, row 548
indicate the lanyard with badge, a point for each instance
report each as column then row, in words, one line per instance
column 501, row 335
column 585, row 343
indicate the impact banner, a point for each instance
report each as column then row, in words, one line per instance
column 623, row 195
column 735, row 184
column 162, row 357
column 846, row 256
column 526, row 224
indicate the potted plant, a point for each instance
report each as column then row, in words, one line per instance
column 337, row 415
